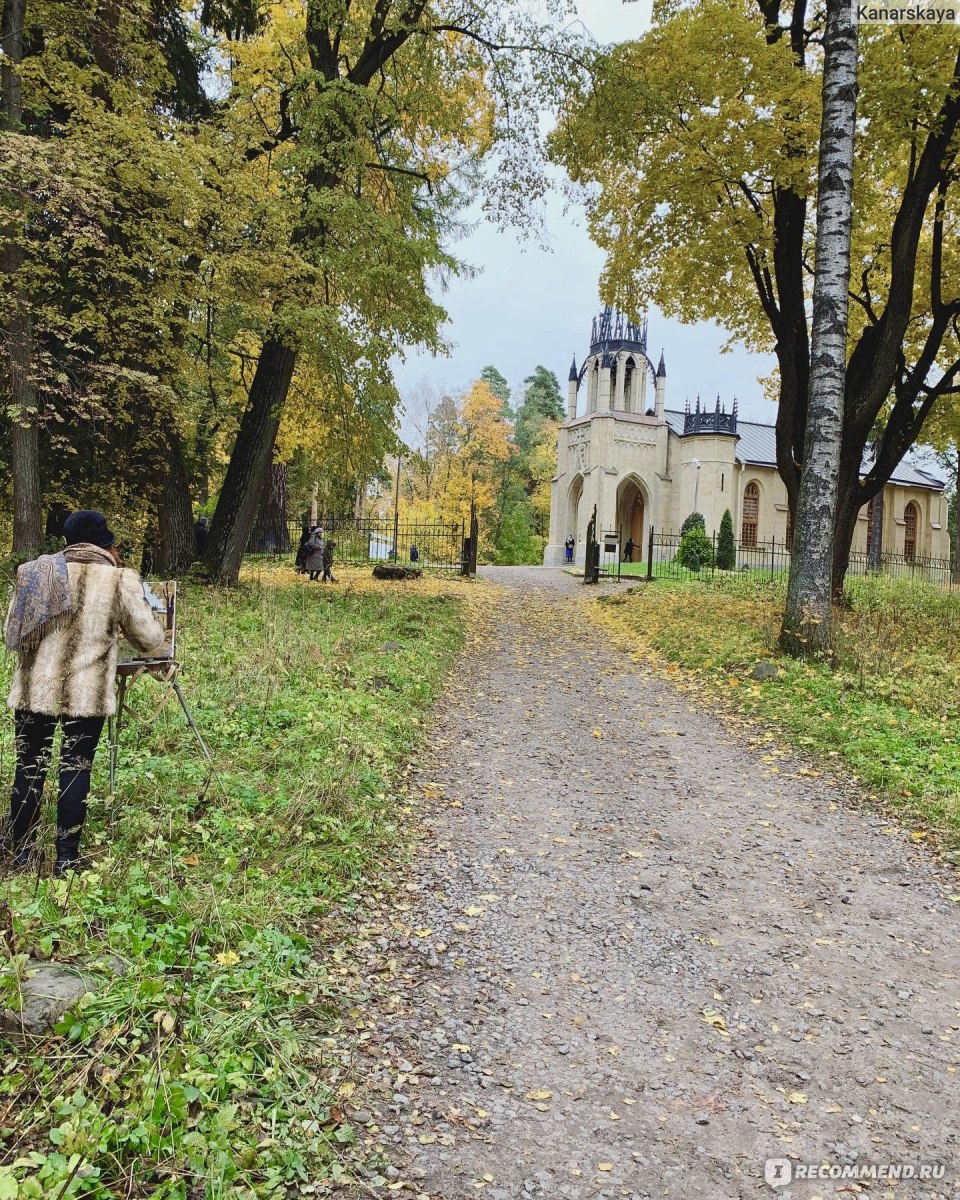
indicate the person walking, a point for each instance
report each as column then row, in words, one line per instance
column 298, row 562
column 63, row 623
column 313, row 557
column 328, row 562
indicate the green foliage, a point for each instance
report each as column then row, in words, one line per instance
column 212, row 1066
column 888, row 705
column 696, row 548
column 517, row 543
column 499, row 386
column 694, row 521
column 726, row 545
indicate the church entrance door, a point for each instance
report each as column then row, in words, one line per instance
column 630, row 516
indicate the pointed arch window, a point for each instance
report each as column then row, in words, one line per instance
column 629, row 368
column 910, row 515
column 751, row 515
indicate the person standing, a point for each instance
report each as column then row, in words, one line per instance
column 202, row 533
column 628, row 551
column 328, row 562
column 568, row 547
column 313, row 559
column 63, row 623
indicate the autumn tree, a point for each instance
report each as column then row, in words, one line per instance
column 373, row 117
column 710, row 123
column 807, row 618
column 106, row 191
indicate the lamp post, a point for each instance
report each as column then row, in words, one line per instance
column 396, row 514
column 696, row 485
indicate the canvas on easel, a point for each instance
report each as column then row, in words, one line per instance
column 162, row 598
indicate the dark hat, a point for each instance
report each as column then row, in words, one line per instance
column 88, row 526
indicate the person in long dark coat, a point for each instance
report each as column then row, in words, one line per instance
column 202, row 532
column 313, row 562
column 302, row 548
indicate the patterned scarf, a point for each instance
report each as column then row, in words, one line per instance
column 41, row 597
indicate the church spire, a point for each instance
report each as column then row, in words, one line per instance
column 662, row 369
column 573, row 370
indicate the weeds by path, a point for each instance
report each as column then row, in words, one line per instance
column 887, row 708
column 218, row 1064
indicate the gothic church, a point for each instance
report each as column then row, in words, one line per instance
column 641, row 463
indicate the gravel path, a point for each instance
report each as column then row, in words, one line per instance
column 644, row 961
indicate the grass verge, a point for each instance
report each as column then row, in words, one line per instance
column 211, row 1066
column 888, row 707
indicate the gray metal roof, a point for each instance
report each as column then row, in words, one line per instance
column 757, row 445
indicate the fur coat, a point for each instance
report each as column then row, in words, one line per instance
column 71, row 671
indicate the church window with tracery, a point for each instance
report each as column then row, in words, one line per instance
column 751, row 515
column 910, row 532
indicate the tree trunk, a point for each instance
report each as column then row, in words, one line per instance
column 271, row 534
column 177, row 548
column 956, row 520
column 875, row 549
column 25, row 444
column 250, row 462
column 806, row 621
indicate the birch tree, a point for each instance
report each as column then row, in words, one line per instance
column 806, row 621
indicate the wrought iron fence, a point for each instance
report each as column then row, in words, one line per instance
column 661, row 559
column 368, row 540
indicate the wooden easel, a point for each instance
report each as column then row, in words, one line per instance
column 164, row 670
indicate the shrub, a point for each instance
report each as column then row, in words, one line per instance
column 696, row 549
column 726, row 547
column 694, row 521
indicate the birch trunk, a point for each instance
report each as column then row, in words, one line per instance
column 806, row 621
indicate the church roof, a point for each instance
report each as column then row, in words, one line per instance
column 757, row 445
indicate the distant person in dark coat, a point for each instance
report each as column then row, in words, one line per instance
column 202, row 530
column 568, row 547
column 57, row 515
column 414, row 554
column 628, row 551
column 302, row 548
column 313, row 562
column 328, row 562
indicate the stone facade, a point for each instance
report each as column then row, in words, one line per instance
column 641, row 464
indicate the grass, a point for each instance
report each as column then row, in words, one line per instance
column 887, row 706
column 212, row 1066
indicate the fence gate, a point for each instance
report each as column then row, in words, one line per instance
column 362, row 541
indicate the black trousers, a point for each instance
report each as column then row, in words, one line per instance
column 34, row 743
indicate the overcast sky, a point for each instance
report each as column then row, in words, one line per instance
column 530, row 306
